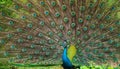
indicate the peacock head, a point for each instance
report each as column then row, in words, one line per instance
column 65, row 44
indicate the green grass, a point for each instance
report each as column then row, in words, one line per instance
column 21, row 66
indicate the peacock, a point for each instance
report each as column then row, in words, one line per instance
column 60, row 32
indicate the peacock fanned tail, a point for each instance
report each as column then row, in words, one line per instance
column 32, row 31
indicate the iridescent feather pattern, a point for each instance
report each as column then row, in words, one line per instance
column 68, row 55
column 66, row 61
column 34, row 30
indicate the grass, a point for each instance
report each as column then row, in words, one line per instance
column 18, row 66
column 52, row 67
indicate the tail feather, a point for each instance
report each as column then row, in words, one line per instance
column 33, row 30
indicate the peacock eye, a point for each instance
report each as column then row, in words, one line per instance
column 60, row 34
column 29, row 5
column 66, row 19
column 73, row 25
column 64, row 7
column 53, row 3
column 11, row 23
column 13, row 47
column 57, row 14
column 42, row 23
column 46, row 13
column 91, row 5
column 42, row 3
column 30, row 25
column 73, row 13
column 34, row 14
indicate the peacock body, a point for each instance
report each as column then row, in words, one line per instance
column 33, row 31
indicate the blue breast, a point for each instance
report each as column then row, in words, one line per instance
column 65, row 59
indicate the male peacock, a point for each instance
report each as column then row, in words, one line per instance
column 68, row 56
column 33, row 32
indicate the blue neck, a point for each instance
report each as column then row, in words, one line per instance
column 65, row 59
